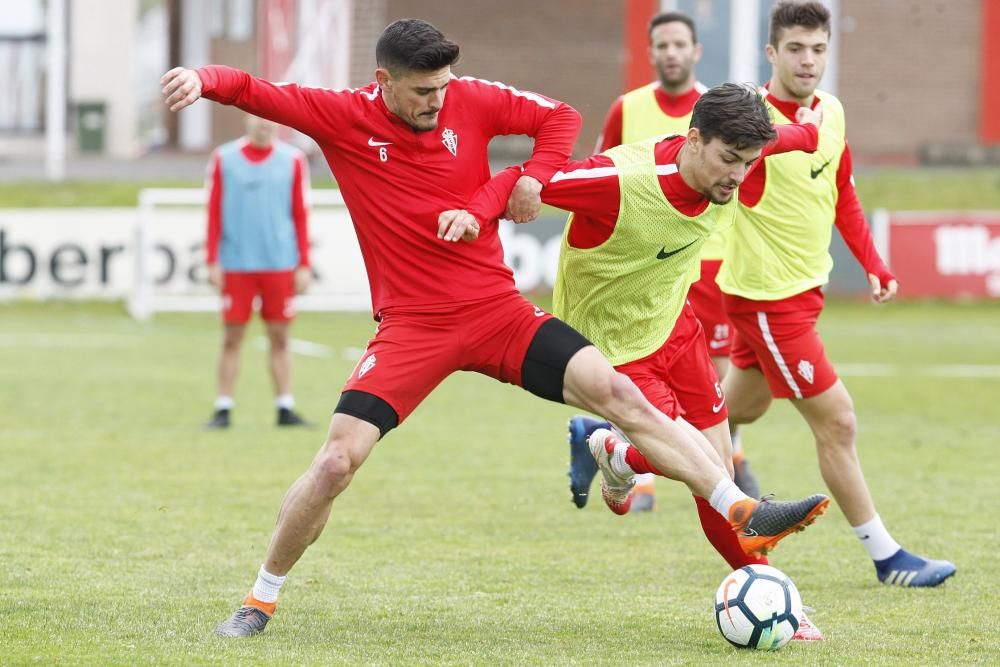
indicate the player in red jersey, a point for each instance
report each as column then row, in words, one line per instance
column 409, row 153
column 777, row 260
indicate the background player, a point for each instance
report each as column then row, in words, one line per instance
column 776, row 262
column 257, row 246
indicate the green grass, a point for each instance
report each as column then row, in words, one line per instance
column 934, row 189
column 899, row 189
column 127, row 533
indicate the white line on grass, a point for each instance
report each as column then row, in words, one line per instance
column 986, row 371
column 66, row 340
column 298, row 346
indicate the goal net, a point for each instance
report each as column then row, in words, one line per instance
column 170, row 272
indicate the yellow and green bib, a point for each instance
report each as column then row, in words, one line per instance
column 626, row 294
column 781, row 246
column 642, row 118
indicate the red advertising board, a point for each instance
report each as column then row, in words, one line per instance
column 943, row 254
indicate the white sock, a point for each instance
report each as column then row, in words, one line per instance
column 618, row 463
column 646, row 478
column 224, row 403
column 725, row 495
column 267, row 586
column 876, row 539
column 286, row 401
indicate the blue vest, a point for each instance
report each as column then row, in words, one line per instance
column 258, row 232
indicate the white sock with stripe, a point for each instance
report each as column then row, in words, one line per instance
column 725, row 495
column 645, row 479
column 876, row 539
column 618, row 462
column 267, row 586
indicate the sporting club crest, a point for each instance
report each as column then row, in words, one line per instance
column 450, row 141
column 805, row 369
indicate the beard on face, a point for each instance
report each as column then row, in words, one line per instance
column 681, row 76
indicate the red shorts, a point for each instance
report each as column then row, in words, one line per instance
column 415, row 349
column 706, row 299
column 276, row 290
column 782, row 343
column 679, row 378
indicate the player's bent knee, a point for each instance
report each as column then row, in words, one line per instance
column 624, row 402
column 840, row 429
column 334, row 462
column 747, row 412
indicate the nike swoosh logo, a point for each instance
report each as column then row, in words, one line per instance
column 716, row 408
column 376, row 144
column 663, row 254
column 716, row 344
column 725, row 602
column 816, row 172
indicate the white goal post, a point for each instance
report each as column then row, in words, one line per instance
column 170, row 264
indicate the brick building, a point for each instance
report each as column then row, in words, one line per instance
column 893, row 62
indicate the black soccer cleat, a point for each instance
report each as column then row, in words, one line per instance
column 288, row 417
column 246, row 622
column 218, row 421
column 761, row 524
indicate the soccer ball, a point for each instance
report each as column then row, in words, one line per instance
column 757, row 606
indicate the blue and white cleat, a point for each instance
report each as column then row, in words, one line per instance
column 582, row 467
column 910, row 570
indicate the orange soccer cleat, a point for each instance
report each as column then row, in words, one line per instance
column 761, row 524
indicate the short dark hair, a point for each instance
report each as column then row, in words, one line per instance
column 673, row 17
column 788, row 14
column 734, row 113
column 412, row 44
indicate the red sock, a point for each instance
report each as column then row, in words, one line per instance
column 721, row 535
column 638, row 462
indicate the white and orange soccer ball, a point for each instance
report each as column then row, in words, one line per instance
column 757, row 606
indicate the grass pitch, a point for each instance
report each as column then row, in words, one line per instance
column 127, row 533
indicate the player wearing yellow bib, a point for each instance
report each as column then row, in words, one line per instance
column 641, row 213
column 659, row 108
column 777, row 259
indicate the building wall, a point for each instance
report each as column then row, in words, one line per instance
column 102, row 68
column 898, row 61
column 228, row 122
column 571, row 50
column 909, row 75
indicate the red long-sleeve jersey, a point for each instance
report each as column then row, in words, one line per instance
column 850, row 216
column 396, row 181
column 300, row 176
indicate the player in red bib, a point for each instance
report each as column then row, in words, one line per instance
column 409, row 153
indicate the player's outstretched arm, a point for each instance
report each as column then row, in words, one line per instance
column 181, row 88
